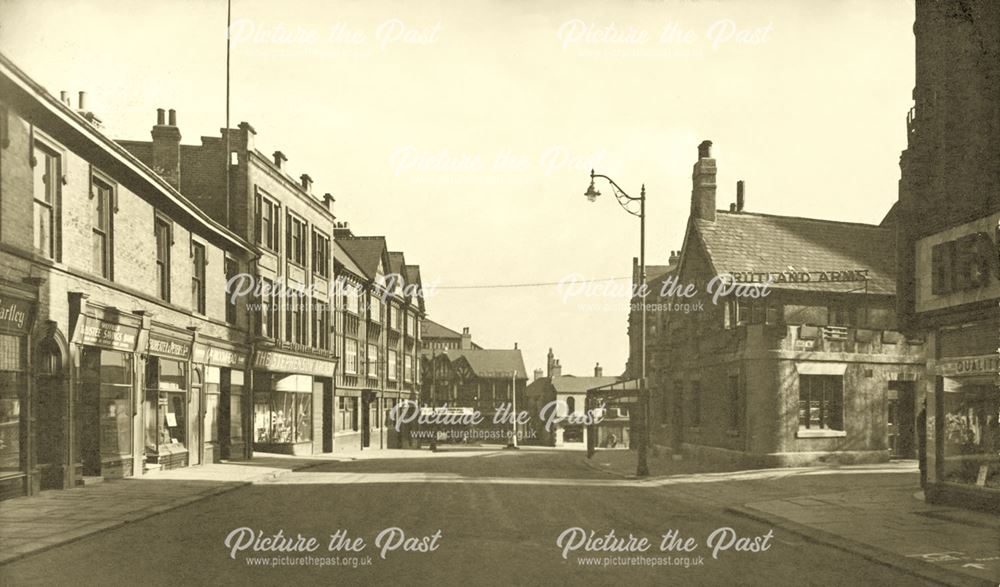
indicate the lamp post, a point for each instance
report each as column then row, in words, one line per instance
column 642, row 469
column 513, row 399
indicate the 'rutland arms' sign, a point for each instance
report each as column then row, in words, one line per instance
column 960, row 265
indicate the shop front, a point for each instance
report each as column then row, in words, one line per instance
column 105, row 404
column 218, row 376
column 173, row 436
column 288, row 391
column 16, row 311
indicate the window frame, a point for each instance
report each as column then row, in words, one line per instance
column 199, row 272
column 832, row 384
column 296, row 229
column 270, row 239
column 56, row 156
column 163, row 265
column 320, row 253
column 351, row 361
column 231, row 309
column 107, row 233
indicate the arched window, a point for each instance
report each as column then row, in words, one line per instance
column 570, row 405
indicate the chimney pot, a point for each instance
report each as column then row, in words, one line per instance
column 740, row 195
column 279, row 159
column 171, row 117
column 82, row 101
column 598, row 371
column 160, row 117
column 63, row 96
column 732, row 207
column 705, row 150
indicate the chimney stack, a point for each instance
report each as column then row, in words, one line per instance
column 342, row 230
column 279, row 159
column 328, row 201
column 556, row 370
column 82, row 102
column 167, row 148
column 675, row 256
column 598, row 370
column 740, row 195
column 307, row 182
column 538, row 374
column 466, row 343
column 703, row 184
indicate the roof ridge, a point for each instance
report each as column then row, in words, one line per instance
column 823, row 220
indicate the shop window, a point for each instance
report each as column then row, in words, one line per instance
column 166, row 405
column 164, row 238
column 232, row 268
column 106, row 412
column 821, row 402
column 235, row 406
column 47, row 181
column 13, row 385
column 971, row 432
column 320, row 254
column 283, row 409
column 347, row 411
column 198, row 277
column 102, row 200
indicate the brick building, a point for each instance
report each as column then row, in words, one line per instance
column 817, row 370
column 120, row 350
column 949, row 243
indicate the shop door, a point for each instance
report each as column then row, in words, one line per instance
column 366, row 431
column 224, row 413
column 88, row 419
column 52, row 410
column 900, row 424
column 196, row 419
column 327, row 415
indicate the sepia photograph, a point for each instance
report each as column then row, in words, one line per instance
column 498, row 292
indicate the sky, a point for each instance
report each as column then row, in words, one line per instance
column 464, row 132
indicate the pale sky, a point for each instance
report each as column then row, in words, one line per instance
column 465, row 131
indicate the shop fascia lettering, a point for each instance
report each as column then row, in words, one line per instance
column 14, row 313
column 985, row 364
column 169, row 347
column 969, row 262
column 270, row 361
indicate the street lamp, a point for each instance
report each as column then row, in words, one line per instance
column 642, row 469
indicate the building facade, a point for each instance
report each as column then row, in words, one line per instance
column 121, row 351
column 816, row 370
column 948, row 239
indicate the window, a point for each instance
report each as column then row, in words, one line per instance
column 821, row 404
column 13, row 386
column 101, row 199
column 232, row 268
column 283, row 409
column 350, row 356
column 161, row 228
column 410, row 328
column 267, row 304
column 321, row 326
column 840, row 315
column 295, row 237
column 735, row 403
column 295, row 317
column 198, row 277
column 235, row 405
column 570, row 405
column 266, row 220
column 374, row 308
column 408, row 367
column 695, row 400
column 392, row 373
column 47, row 179
column 372, row 360
column 742, row 311
column 352, row 301
column 166, row 404
column 347, row 414
column 320, row 254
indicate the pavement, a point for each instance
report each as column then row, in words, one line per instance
column 889, row 524
column 830, row 524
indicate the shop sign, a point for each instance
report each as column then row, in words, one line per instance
column 958, row 366
column 96, row 332
column 218, row 357
column 282, row 363
column 15, row 314
column 960, row 265
column 180, row 349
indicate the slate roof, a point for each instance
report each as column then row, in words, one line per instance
column 341, row 256
column 366, row 252
column 431, row 329
column 744, row 241
column 396, row 263
column 411, row 275
column 491, row 362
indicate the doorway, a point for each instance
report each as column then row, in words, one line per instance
column 52, row 416
column 900, row 419
column 327, row 414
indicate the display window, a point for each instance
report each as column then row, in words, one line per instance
column 235, row 406
column 166, row 404
column 971, row 431
column 111, row 372
column 282, row 408
column 12, row 388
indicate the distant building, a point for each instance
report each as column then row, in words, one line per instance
column 439, row 337
column 949, row 244
column 569, row 394
column 815, row 371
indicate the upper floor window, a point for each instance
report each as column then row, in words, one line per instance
column 374, row 307
column 232, row 270
column 162, row 231
column 198, row 277
column 295, row 235
column 101, row 198
column 47, row 179
column 295, row 318
column 372, row 360
column 320, row 254
column 267, row 313
column 350, row 356
column 321, row 326
column 352, row 299
column 391, row 365
column 266, row 222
